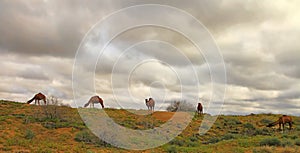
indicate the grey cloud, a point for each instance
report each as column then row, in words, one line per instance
column 39, row 40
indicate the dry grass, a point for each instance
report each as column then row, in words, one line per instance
column 26, row 128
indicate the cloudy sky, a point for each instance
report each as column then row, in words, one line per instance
column 48, row 46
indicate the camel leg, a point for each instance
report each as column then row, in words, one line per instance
column 290, row 124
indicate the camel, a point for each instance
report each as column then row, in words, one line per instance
column 200, row 109
column 282, row 121
column 150, row 104
column 37, row 98
column 93, row 100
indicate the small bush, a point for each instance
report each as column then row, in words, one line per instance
column 192, row 144
column 228, row 136
column 84, row 136
column 266, row 121
column 249, row 126
column 262, row 150
column 29, row 134
column 294, row 137
column 181, row 106
column 87, row 137
column 286, row 142
column 193, row 138
column 297, row 142
column 171, row 149
column 214, row 140
column 264, row 131
column 177, row 141
column 270, row 142
column 231, row 122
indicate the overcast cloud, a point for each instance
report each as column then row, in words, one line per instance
column 259, row 41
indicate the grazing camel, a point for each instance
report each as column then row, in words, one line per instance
column 150, row 104
column 93, row 100
column 200, row 109
column 282, row 121
column 37, row 98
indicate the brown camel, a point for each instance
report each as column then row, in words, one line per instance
column 37, row 98
column 93, row 100
column 282, row 121
column 200, row 109
column 150, row 104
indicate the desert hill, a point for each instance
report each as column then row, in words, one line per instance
column 31, row 128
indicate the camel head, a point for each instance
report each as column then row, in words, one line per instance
column 86, row 105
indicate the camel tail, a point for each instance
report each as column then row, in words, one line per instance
column 29, row 101
column 273, row 124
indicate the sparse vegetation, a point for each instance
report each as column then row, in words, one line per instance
column 270, row 142
column 28, row 128
column 29, row 134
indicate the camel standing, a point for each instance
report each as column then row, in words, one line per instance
column 93, row 100
column 150, row 104
column 200, row 109
column 37, row 98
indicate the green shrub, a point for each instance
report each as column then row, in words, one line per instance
column 294, row 137
column 286, row 142
column 228, row 136
column 231, row 122
column 88, row 137
column 262, row 150
column 193, row 138
column 29, row 134
column 214, row 140
column 85, row 136
column 177, row 141
column 297, row 142
column 192, row 144
column 171, row 149
column 264, row 131
column 270, row 142
column 265, row 121
column 249, row 126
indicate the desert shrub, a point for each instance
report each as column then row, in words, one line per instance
column 181, row 106
column 232, row 122
column 228, row 136
column 294, row 137
column 270, row 142
column 171, row 149
column 15, row 141
column 284, row 136
column 192, row 144
column 263, row 131
column 177, row 141
column 249, row 126
column 213, row 140
column 286, row 142
column 262, row 150
column 297, row 142
column 29, row 134
column 85, row 136
column 265, row 121
column 193, row 138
